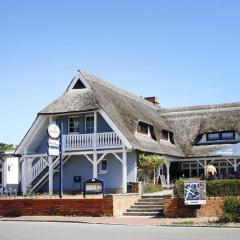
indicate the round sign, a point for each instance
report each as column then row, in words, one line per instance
column 53, row 131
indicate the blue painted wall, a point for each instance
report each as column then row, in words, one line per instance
column 80, row 166
column 131, row 167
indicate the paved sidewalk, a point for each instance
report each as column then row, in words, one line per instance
column 115, row 220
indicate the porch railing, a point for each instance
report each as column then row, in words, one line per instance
column 86, row 141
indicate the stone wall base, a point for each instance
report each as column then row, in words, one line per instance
column 174, row 207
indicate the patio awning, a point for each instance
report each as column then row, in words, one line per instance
column 233, row 150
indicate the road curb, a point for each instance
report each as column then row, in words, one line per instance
column 121, row 224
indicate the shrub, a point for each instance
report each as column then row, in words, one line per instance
column 230, row 210
column 214, row 188
column 150, row 188
column 221, row 188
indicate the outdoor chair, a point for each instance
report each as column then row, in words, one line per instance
column 164, row 183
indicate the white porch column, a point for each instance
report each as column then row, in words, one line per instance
column 95, row 164
column 235, row 165
column 50, row 169
column 124, row 171
column 24, row 176
column 168, row 163
column 95, row 146
column 205, row 168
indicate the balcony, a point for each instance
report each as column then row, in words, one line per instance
column 107, row 140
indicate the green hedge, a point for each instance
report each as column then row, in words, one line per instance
column 215, row 188
column 231, row 210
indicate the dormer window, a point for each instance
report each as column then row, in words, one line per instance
column 167, row 136
column 146, row 129
column 218, row 136
column 143, row 128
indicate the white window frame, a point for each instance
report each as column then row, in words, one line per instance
column 85, row 129
column 75, row 116
column 100, row 171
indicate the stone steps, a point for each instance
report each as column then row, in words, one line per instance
column 147, row 206
column 145, row 210
column 150, row 214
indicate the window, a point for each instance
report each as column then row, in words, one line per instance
column 73, row 124
column 168, row 136
column 103, row 168
column 213, row 136
column 142, row 128
column 226, row 135
column 79, row 85
column 89, row 123
column 146, row 129
column 165, row 135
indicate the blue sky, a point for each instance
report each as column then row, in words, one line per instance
column 183, row 52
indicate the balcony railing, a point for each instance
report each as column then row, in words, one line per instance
column 88, row 141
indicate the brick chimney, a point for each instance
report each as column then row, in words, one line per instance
column 153, row 100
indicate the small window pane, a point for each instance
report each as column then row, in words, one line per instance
column 227, row 135
column 89, row 124
column 142, row 128
column 165, row 135
column 74, row 124
column 213, row 136
column 104, row 166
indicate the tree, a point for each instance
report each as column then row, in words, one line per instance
column 5, row 147
column 149, row 166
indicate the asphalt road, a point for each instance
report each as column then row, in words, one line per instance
column 72, row 231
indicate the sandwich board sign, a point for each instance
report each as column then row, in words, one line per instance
column 54, row 140
column 195, row 192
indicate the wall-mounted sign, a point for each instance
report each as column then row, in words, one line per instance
column 53, row 143
column 195, row 193
column 53, row 131
column 53, row 151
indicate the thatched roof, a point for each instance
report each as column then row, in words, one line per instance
column 76, row 100
column 124, row 109
column 189, row 122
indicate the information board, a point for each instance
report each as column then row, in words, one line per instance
column 195, row 192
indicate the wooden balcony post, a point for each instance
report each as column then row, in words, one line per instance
column 168, row 163
column 124, row 171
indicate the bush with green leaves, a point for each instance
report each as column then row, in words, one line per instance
column 148, row 167
column 230, row 210
column 214, row 188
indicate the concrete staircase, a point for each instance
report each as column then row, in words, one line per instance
column 147, row 206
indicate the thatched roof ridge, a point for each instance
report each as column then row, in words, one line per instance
column 199, row 109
